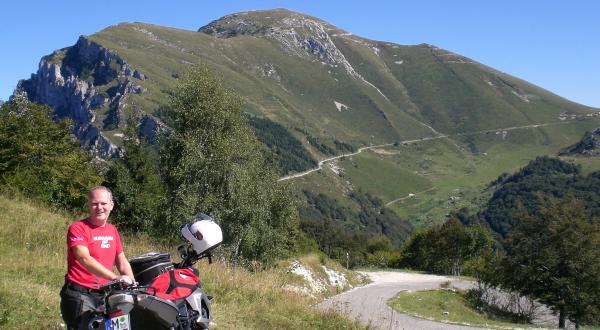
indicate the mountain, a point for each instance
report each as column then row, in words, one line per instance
column 447, row 124
column 293, row 69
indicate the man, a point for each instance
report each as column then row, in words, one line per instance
column 93, row 249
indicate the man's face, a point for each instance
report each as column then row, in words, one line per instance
column 99, row 205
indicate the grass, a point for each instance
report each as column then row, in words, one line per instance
column 32, row 246
column 448, row 306
column 381, row 176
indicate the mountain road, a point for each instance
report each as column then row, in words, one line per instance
column 439, row 136
column 368, row 304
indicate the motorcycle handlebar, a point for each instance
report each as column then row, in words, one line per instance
column 116, row 285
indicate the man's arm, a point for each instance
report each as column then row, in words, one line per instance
column 82, row 254
column 124, row 267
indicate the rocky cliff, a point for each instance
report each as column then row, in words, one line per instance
column 83, row 83
column 299, row 35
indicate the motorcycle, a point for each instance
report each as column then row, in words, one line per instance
column 168, row 295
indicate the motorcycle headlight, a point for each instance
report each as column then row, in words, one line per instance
column 120, row 302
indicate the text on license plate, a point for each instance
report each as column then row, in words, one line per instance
column 118, row 323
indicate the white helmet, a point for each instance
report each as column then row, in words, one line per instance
column 204, row 234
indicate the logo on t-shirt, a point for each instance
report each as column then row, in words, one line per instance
column 105, row 244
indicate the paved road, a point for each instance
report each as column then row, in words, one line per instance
column 369, row 303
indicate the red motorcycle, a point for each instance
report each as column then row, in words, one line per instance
column 168, row 295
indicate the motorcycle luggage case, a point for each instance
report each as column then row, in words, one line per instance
column 154, row 313
column 148, row 266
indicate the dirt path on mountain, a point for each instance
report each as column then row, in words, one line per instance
column 411, row 195
column 368, row 304
column 439, row 136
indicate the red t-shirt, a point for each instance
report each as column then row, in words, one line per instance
column 104, row 245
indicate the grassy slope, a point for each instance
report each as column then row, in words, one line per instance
column 33, row 264
column 302, row 94
column 445, row 90
column 437, row 170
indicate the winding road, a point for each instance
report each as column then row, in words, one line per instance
column 439, row 136
column 368, row 304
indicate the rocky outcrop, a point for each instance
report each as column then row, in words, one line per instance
column 70, row 97
column 588, row 146
column 299, row 35
column 70, row 80
column 150, row 128
column 97, row 143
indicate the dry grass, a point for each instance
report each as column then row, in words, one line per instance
column 33, row 263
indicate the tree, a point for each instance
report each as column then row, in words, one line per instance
column 135, row 181
column 212, row 162
column 40, row 158
column 546, row 175
column 554, row 256
column 445, row 249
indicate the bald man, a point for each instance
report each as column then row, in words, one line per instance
column 93, row 250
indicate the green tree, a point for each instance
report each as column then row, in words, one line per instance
column 212, row 162
column 445, row 249
column 40, row 158
column 135, row 181
column 381, row 252
column 554, row 256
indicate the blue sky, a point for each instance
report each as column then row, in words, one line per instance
column 554, row 44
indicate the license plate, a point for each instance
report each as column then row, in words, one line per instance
column 118, row 323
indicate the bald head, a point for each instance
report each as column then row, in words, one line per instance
column 100, row 204
column 96, row 188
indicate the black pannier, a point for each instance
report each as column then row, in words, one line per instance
column 154, row 313
column 148, row 266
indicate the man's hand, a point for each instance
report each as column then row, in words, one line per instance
column 125, row 279
column 124, row 267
